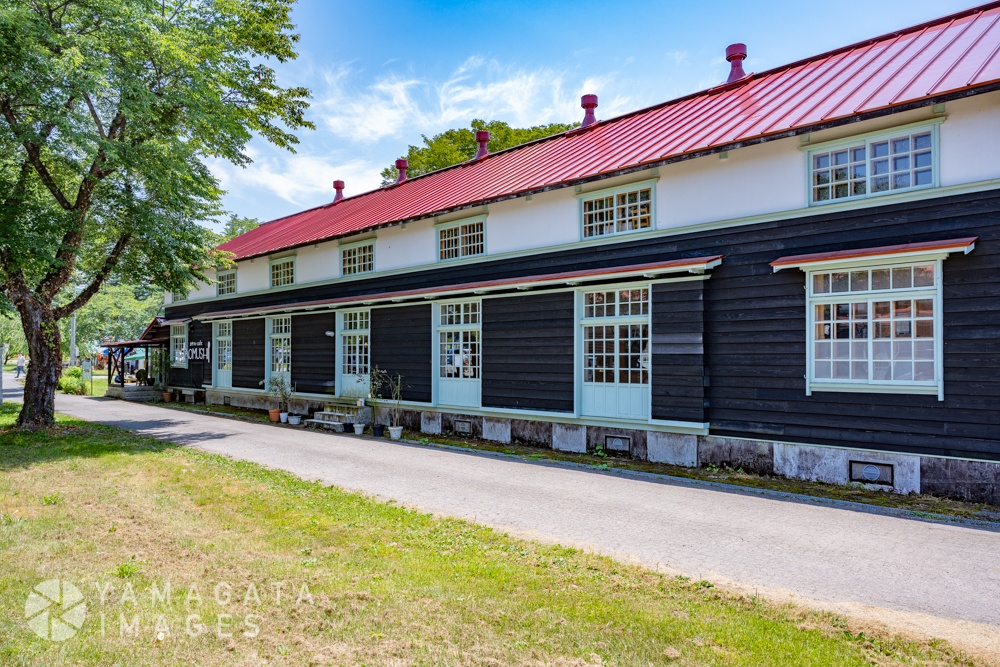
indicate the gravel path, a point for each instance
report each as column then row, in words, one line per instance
column 937, row 579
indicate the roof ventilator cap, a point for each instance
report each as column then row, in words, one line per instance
column 483, row 137
column 339, row 187
column 401, row 165
column 735, row 53
column 589, row 103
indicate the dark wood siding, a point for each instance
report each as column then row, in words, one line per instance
column 248, row 353
column 528, row 352
column 401, row 344
column 678, row 359
column 314, row 354
column 755, row 323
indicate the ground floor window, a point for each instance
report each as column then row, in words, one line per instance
column 459, row 330
column 877, row 325
column 178, row 345
column 280, row 344
column 355, row 353
column 615, row 334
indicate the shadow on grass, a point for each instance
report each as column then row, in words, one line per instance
column 69, row 438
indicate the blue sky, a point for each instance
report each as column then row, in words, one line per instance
column 384, row 73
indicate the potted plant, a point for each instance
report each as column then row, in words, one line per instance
column 376, row 378
column 167, row 395
column 359, row 428
column 294, row 420
column 279, row 387
column 395, row 383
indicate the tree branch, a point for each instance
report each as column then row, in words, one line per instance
column 90, row 290
column 35, row 158
column 95, row 116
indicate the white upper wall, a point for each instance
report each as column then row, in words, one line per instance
column 758, row 180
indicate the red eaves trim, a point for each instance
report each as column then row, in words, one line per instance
column 951, row 245
column 673, row 266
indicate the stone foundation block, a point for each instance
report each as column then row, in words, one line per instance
column 673, row 448
column 430, row 423
column 832, row 465
column 569, row 438
column 496, row 430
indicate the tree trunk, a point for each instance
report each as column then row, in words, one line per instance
column 44, row 366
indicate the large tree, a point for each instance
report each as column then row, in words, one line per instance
column 109, row 110
column 458, row 145
column 117, row 312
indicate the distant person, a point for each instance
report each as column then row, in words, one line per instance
column 19, row 366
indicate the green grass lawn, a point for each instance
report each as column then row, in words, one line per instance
column 118, row 514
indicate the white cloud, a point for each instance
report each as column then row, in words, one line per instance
column 405, row 106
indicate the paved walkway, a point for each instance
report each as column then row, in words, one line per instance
column 941, row 579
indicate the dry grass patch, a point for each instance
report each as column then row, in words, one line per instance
column 264, row 568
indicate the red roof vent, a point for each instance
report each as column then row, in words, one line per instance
column 401, row 165
column 589, row 103
column 483, row 137
column 339, row 187
column 735, row 53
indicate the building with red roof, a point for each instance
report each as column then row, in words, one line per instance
column 793, row 272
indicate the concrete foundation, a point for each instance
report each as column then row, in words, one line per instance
column 430, row 423
column 496, row 430
column 832, row 465
column 569, row 438
column 673, row 448
column 750, row 455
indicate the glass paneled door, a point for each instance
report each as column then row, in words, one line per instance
column 354, row 353
column 616, row 353
column 459, row 354
column 223, row 354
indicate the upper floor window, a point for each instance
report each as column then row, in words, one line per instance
column 358, row 258
column 619, row 211
column 875, row 165
column 283, row 272
column 225, row 283
column 465, row 239
column 178, row 345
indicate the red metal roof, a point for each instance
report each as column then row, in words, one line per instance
column 949, row 245
column 690, row 264
column 952, row 55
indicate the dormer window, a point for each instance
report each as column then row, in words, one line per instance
column 357, row 258
column 618, row 211
column 877, row 164
column 283, row 272
column 462, row 239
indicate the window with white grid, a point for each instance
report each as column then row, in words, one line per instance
column 354, row 343
column 280, row 337
column 357, row 259
column 459, row 340
column 225, row 283
column 283, row 272
column 178, row 345
column 876, row 325
column 618, row 212
column 876, row 165
column 462, row 240
column 224, row 346
column 616, row 336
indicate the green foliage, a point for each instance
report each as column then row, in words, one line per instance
column 454, row 146
column 12, row 334
column 73, row 372
column 117, row 312
column 237, row 226
column 109, row 114
column 72, row 385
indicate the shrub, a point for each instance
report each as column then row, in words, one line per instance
column 72, row 385
column 73, row 372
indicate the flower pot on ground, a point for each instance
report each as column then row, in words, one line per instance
column 395, row 432
column 284, row 417
column 279, row 387
column 294, row 420
column 378, row 430
column 359, row 429
column 348, row 426
column 168, row 396
column 274, row 415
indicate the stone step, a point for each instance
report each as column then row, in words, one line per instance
column 330, row 425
